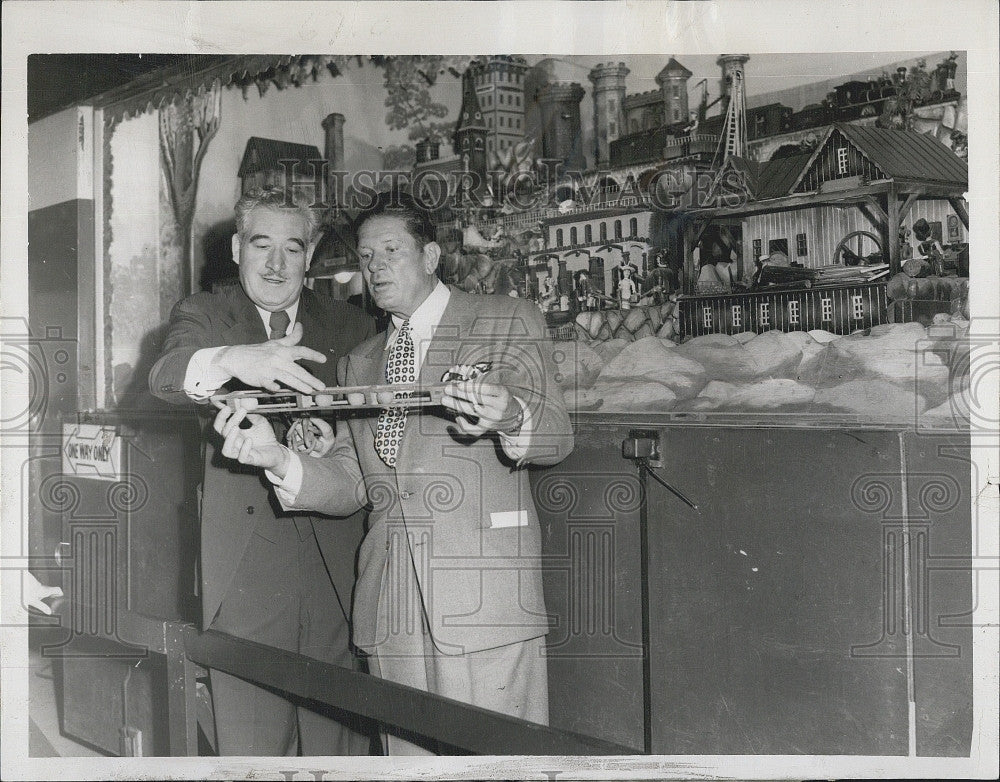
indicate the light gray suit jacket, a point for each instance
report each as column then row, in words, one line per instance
column 462, row 507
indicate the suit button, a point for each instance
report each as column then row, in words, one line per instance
column 249, row 510
column 405, row 495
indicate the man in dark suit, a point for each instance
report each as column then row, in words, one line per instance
column 267, row 576
column 449, row 593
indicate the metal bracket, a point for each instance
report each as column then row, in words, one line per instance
column 643, row 444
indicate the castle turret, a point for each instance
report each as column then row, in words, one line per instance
column 470, row 133
column 499, row 85
column 673, row 81
column 562, row 138
column 609, row 107
column 731, row 63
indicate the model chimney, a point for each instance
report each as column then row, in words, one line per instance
column 333, row 126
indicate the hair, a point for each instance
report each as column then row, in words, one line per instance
column 921, row 229
column 414, row 214
column 277, row 198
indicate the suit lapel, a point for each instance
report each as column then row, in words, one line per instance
column 448, row 345
column 316, row 334
column 365, row 368
column 242, row 324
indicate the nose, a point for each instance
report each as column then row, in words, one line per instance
column 376, row 262
column 275, row 260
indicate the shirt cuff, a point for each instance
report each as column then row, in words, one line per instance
column 516, row 445
column 202, row 379
column 287, row 489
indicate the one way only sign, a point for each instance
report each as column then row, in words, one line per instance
column 92, row 451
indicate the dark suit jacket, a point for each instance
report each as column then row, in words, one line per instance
column 236, row 502
column 464, row 508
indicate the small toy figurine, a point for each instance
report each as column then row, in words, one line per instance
column 585, row 299
column 929, row 246
column 549, row 294
column 467, row 371
column 905, row 248
column 660, row 282
column 627, row 289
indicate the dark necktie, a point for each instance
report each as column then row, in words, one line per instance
column 401, row 368
column 278, row 323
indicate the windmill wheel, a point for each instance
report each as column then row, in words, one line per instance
column 844, row 245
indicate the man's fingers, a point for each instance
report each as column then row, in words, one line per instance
column 309, row 381
column 246, row 451
column 299, row 380
column 233, row 422
column 38, row 605
column 301, row 352
column 219, row 424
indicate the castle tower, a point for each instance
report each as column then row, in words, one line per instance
column 731, row 63
column 562, row 138
column 471, row 132
column 499, row 86
column 673, row 81
column 609, row 107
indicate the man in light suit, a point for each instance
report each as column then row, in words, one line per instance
column 449, row 593
column 267, row 575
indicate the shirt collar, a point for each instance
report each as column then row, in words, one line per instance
column 265, row 315
column 426, row 317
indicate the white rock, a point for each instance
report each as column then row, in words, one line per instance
column 769, row 394
column 608, row 349
column 721, row 361
column 581, row 399
column 634, row 395
column 954, row 410
column 713, row 340
column 899, row 352
column 718, row 390
column 577, row 364
column 873, row 399
column 655, row 359
column 822, row 336
column 744, row 336
column 775, row 353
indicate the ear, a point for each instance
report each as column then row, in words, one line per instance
column 310, row 249
column 236, row 249
column 432, row 256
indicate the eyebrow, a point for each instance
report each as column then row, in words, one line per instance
column 295, row 239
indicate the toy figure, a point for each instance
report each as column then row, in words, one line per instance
column 585, row 298
column 618, row 272
column 929, row 246
column 549, row 294
column 627, row 288
column 660, row 282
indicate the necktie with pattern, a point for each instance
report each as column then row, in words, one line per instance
column 401, row 368
column 278, row 322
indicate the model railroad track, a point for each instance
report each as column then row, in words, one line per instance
column 376, row 397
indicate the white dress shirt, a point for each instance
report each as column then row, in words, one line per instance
column 202, row 378
column 423, row 322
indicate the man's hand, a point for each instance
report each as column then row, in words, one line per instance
column 268, row 363
column 492, row 405
column 313, row 436
column 256, row 446
column 36, row 593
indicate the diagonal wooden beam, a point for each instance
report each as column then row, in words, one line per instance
column 908, row 203
column 876, row 207
column 456, row 724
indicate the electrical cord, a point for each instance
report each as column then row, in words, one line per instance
column 644, row 461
